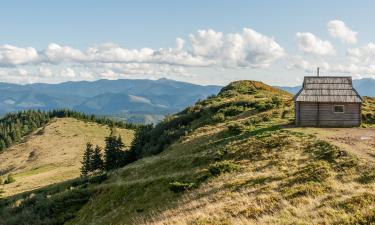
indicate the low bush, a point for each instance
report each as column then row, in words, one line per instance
column 368, row 176
column 178, row 187
column 362, row 201
column 218, row 117
column 232, row 110
column 10, row 179
column 303, row 190
column 236, row 128
column 323, row 150
column 223, row 167
column 313, row 172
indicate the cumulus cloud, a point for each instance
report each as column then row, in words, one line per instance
column 338, row 29
column 342, row 67
column 56, row 53
column 12, row 55
column 205, row 48
column 206, row 42
column 246, row 49
column 68, row 73
column 180, row 43
column 363, row 55
column 311, row 44
column 45, row 71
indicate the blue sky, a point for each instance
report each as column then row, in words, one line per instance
column 277, row 42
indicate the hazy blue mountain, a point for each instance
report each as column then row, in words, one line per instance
column 131, row 99
column 365, row 87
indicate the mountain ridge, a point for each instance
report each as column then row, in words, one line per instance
column 175, row 95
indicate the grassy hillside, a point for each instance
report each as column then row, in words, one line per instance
column 52, row 154
column 368, row 112
column 233, row 158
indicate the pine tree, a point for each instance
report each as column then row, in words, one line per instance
column 97, row 163
column 114, row 154
column 2, row 145
column 87, row 159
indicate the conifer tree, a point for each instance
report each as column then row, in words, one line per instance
column 97, row 163
column 114, row 154
column 87, row 159
column 2, row 145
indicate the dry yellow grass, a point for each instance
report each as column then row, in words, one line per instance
column 52, row 154
column 262, row 192
column 357, row 141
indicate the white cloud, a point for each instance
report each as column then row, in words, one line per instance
column 311, row 44
column 45, row 71
column 208, row 48
column 343, row 67
column 180, row 44
column 11, row 55
column 363, row 55
column 338, row 29
column 206, row 43
column 86, row 75
column 68, row 73
column 22, row 72
column 56, row 53
column 246, row 49
column 205, row 49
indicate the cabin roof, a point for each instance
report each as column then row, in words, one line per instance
column 328, row 89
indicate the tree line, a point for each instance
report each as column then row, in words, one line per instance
column 15, row 126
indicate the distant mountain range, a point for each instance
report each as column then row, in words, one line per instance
column 365, row 87
column 134, row 100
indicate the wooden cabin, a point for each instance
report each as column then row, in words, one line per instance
column 328, row 102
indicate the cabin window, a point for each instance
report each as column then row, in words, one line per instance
column 338, row 109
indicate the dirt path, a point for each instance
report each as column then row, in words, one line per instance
column 359, row 141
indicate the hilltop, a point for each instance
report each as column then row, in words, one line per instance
column 233, row 158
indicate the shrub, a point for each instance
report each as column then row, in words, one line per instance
column 305, row 189
column 222, row 167
column 274, row 140
column 178, row 187
column 218, row 117
column 364, row 200
column 236, row 128
column 10, row 179
column 232, row 110
column 276, row 100
column 259, row 96
column 368, row 176
column 313, row 172
column 265, row 117
column 285, row 113
column 98, row 179
column 325, row 151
